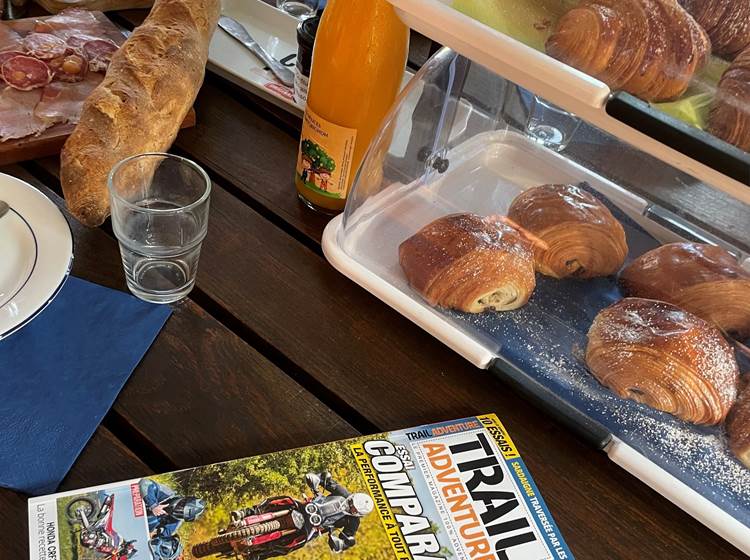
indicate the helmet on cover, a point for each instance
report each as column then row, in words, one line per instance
column 359, row 504
column 165, row 548
column 188, row 509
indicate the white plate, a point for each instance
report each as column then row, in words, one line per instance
column 275, row 31
column 36, row 251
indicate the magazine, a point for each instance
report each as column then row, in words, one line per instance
column 454, row 490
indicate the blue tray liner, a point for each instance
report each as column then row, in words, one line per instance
column 547, row 338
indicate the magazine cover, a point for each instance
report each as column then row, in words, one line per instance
column 454, row 491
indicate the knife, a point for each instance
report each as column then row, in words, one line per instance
column 238, row 31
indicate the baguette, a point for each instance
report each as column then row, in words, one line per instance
column 149, row 88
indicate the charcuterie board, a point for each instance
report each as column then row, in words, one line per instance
column 50, row 141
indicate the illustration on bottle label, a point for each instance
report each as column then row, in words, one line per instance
column 325, row 155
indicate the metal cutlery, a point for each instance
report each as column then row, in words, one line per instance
column 238, row 31
column 4, row 207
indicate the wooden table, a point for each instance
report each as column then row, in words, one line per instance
column 275, row 349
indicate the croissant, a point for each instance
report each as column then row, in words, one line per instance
column 583, row 237
column 729, row 117
column 738, row 426
column 727, row 23
column 470, row 263
column 650, row 48
column 703, row 279
column 660, row 355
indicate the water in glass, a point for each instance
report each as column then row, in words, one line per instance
column 159, row 216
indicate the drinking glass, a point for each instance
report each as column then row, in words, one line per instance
column 160, row 216
column 550, row 125
column 298, row 8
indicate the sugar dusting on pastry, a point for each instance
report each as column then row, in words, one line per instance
column 699, row 453
column 684, row 347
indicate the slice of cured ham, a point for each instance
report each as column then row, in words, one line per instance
column 62, row 103
column 77, row 41
column 70, row 22
column 17, row 119
column 9, row 39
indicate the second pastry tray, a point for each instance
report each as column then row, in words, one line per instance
column 688, row 148
column 538, row 348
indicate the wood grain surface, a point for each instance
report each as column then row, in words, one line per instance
column 276, row 349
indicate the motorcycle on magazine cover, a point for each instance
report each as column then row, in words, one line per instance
column 282, row 524
column 97, row 532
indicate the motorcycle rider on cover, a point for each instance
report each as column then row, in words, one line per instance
column 339, row 510
column 166, row 512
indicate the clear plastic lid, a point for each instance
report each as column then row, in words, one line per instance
column 461, row 139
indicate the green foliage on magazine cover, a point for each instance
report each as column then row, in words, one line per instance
column 229, row 486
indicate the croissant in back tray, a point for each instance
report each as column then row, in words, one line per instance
column 583, row 238
column 729, row 118
column 727, row 23
column 470, row 263
column 650, row 48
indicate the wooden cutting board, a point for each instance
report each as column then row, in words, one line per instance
column 51, row 141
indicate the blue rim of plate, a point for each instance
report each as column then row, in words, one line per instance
column 54, row 294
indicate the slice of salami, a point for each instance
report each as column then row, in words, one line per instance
column 44, row 46
column 26, row 73
column 99, row 52
column 72, row 67
column 7, row 55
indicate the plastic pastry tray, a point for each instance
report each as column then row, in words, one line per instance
column 697, row 153
column 538, row 347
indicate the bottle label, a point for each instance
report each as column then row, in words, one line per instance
column 325, row 155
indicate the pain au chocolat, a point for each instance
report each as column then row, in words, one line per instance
column 470, row 263
column 663, row 356
column 700, row 278
column 583, row 238
column 738, row 425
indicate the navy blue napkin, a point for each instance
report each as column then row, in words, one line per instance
column 60, row 374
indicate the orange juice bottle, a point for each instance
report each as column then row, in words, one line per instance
column 357, row 68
